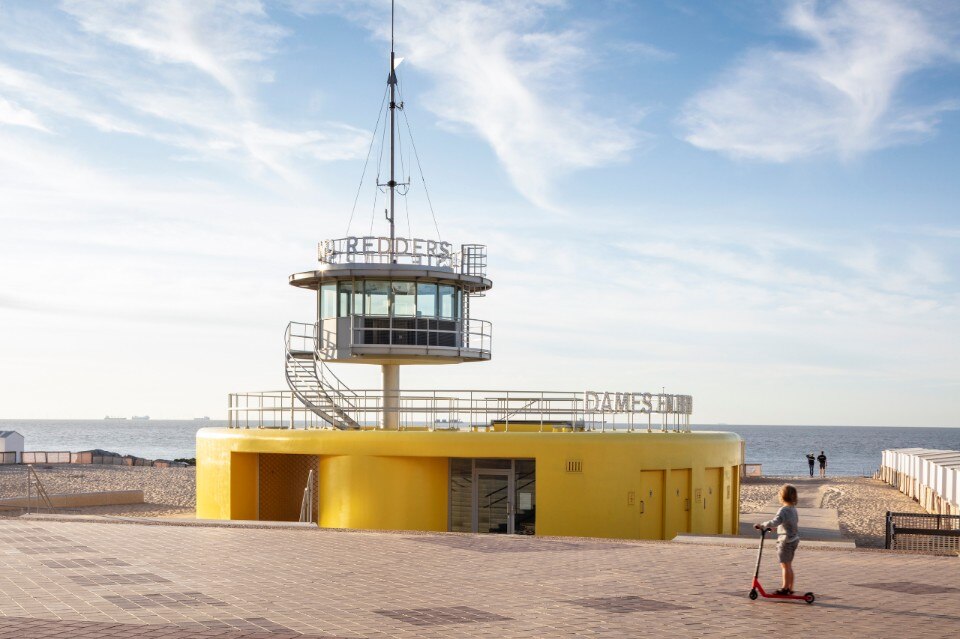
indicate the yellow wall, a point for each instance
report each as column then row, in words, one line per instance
column 398, row 480
column 385, row 493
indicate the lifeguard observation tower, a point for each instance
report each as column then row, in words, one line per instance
column 603, row 463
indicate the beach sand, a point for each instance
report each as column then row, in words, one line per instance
column 861, row 502
column 167, row 492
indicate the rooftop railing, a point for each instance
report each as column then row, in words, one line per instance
column 460, row 410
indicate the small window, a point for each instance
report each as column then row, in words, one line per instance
column 426, row 300
column 328, row 300
column 404, row 299
column 346, row 298
column 377, row 298
column 358, row 297
column 448, row 298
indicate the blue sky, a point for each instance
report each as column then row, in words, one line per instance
column 754, row 203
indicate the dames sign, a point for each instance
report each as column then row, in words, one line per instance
column 369, row 248
column 643, row 403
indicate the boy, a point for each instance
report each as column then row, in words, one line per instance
column 810, row 460
column 788, row 535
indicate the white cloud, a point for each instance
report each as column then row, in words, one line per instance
column 835, row 94
column 219, row 38
column 185, row 74
column 15, row 115
column 501, row 73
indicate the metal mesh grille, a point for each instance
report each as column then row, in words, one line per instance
column 282, row 481
column 919, row 532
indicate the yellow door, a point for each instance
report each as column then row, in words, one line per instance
column 678, row 503
column 712, row 516
column 651, row 504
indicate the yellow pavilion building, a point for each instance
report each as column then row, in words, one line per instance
column 592, row 463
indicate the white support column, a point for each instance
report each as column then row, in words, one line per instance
column 391, row 397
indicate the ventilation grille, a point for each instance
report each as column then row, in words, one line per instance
column 574, row 466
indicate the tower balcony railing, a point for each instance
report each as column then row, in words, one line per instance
column 470, row 259
column 470, row 334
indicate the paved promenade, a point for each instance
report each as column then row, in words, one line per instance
column 74, row 579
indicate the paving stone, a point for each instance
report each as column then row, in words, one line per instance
column 176, row 581
column 627, row 603
column 441, row 616
column 910, row 587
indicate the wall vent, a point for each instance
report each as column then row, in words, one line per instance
column 574, row 466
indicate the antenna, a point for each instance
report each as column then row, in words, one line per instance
column 392, row 81
column 392, row 183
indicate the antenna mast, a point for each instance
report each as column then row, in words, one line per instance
column 392, row 81
column 392, row 183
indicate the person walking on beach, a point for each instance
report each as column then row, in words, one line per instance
column 823, row 465
column 810, row 460
column 788, row 535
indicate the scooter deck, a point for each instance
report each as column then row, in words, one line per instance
column 757, row 590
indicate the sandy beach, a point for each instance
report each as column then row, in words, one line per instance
column 861, row 502
column 167, row 492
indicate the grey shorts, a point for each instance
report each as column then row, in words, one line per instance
column 786, row 550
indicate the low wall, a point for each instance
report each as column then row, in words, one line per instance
column 88, row 457
column 80, row 500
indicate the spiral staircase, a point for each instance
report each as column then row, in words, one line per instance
column 312, row 381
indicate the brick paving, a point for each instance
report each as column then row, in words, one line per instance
column 129, row 580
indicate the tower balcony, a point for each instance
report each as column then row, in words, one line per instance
column 404, row 340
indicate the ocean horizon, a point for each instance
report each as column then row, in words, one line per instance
column 850, row 450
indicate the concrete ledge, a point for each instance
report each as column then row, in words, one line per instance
column 80, row 500
column 754, row 542
column 163, row 521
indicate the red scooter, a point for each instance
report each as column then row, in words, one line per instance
column 757, row 589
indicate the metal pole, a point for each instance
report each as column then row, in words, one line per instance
column 393, row 110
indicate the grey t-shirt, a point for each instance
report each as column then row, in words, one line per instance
column 787, row 522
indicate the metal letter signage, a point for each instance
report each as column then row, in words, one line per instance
column 636, row 403
column 375, row 249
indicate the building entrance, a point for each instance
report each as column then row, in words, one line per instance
column 493, row 496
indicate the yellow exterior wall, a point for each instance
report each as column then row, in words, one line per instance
column 398, row 480
column 385, row 493
column 244, row 482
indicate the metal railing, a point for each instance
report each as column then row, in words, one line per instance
column 35, row 487
column 451, row 410
column 922, row 532
column 466, row 334
column 302, row 337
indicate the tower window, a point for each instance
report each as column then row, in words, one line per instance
column 426, row 300
column 328, row 300
column 404, row 299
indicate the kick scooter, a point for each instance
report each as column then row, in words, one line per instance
column 757, row 589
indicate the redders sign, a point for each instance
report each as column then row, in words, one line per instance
column 642, row 403
column 349, row 249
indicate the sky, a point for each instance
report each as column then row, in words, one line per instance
column 754, row 203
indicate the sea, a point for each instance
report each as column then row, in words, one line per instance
column 850, row 450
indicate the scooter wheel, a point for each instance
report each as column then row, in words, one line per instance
column 753, row 593
column 809, row 598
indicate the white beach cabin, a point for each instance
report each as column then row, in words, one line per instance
column 11, row 447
